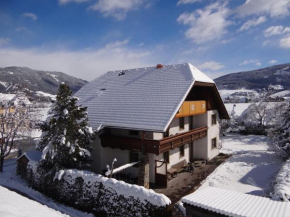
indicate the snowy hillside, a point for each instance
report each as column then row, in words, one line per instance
column 278, row 76
column 15, row 79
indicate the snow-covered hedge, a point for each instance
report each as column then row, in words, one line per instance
column 282, row 185
column 97, row 194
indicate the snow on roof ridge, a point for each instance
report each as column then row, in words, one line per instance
column 199, row 75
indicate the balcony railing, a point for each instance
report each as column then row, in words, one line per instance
column 153, row 146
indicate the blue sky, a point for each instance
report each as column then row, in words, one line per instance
column 86, row 38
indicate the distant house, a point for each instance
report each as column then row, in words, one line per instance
column 13, row 100
column 31, row 157
column 169, row 113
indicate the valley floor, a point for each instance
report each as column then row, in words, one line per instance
column 252, row 169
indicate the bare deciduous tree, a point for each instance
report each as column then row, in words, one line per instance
column 15, row 120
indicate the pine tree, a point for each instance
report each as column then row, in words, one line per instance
column 66, row 137
column 280, row 134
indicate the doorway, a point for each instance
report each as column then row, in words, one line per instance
column 161, row 173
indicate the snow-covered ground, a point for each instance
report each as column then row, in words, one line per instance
column 280, row 94
column 51, row 96
column 13, row 204
column 239, row 108
column 10, row 180
column 252, row 169
column 227, row 93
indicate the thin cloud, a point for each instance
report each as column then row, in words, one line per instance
column 86, row 64
column 30, row 15
column 246, row 62
column 273, row 8
column 4, row 41
column 207, row 24
column 285, row 42
column 276, row 30
column 22, row 29
column 184, row 2
column 211, row 65
column 117, row 9
column 251, row 23
column 64, row 2
column 273, row 61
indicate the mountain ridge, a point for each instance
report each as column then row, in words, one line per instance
column 14, row 79
column 256, row 79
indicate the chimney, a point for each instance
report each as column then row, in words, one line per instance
column 159, row 66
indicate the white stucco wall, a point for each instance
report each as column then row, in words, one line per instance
column 213, row 132
column 201, row 148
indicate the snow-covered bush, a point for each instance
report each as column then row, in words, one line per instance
column 282, row 185
column 280, row 134
column 97, row 194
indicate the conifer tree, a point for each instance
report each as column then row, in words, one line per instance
column 66, row 137
column 280, row 134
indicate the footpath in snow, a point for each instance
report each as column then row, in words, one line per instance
column 252, row 169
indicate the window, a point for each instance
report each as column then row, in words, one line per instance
column 181, row 151
column 133, row 132
column 181, row 123
column 213, row 119
column 166, row 157
column 213, row 143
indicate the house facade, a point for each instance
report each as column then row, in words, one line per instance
column 157, row 116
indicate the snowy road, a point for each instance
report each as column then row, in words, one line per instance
column 251, row 169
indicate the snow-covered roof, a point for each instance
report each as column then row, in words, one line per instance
column 16, row 98
column 141, row 99
column 33, row 155
column 6, row 97
column 232, row 203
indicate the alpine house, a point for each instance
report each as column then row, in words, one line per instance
column 156, row 116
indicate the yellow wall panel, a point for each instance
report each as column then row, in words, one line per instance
column 189, row 108
column 192, row 108
column 198, row 107
column 185, row 110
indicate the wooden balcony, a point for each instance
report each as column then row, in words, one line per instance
column 153, row 146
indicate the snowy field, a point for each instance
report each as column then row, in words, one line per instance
column 239, row 108
column 9, row 179
column 227, row 93
column 252, row 169
column 13, row 204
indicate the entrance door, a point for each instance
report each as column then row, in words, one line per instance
column 161, row 173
